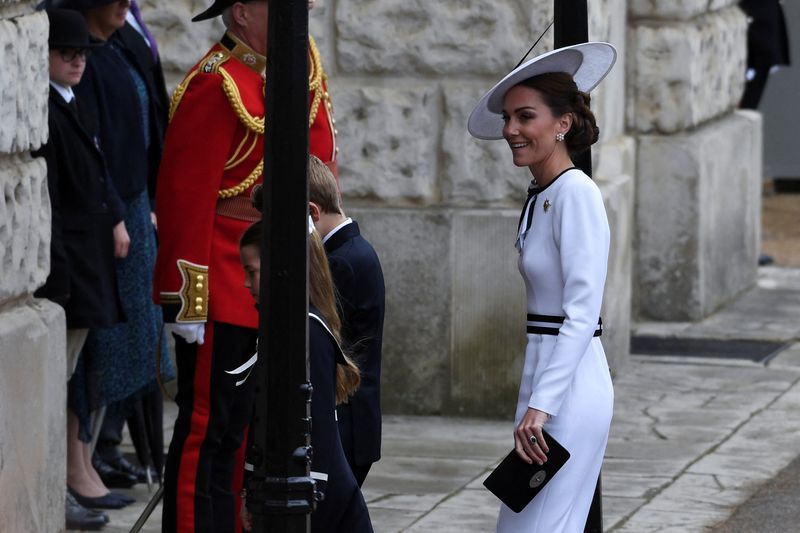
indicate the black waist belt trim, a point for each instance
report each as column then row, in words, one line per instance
column 551, row 319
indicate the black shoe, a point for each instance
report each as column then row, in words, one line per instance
column 126, row 467
column 765, row 259
column 79, row 517
column 101, row 514
column 111, row 477
column 111, row 500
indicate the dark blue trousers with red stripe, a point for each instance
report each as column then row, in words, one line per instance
column 212, row 417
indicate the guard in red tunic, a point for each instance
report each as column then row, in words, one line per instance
column 213, row 156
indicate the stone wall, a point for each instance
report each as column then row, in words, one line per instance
column 440, row 207
column 698, row 162
column 32, row 333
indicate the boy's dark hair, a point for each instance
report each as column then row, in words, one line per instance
column 322, row 187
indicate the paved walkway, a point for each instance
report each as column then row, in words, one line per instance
column 691, row 440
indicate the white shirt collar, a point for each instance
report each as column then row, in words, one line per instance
column 347, row 221
column 130, row 19
column 65, row 92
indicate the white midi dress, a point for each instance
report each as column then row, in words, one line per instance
column 563, row 260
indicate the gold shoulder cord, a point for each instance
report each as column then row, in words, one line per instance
column 177, row 95
column 208, row 64
column 213, row 63
column 251, row 124
column 315, row 78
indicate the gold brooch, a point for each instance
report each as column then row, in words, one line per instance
column 546, row 205
column 250, row 59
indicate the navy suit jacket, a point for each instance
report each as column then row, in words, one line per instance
column 358, row 278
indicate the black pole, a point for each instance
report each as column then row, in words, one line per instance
column 571, row 26
column 281, row 492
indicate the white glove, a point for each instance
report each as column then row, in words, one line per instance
column 190, row 332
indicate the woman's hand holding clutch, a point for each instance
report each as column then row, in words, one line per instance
column 528, row 439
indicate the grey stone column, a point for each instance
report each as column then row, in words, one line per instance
column 698, row 162
column 32, row 332
column 440, row 207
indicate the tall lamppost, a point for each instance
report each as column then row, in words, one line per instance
column 281, row 492
column 571, row 26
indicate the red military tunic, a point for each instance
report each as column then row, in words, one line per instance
column 213, row 156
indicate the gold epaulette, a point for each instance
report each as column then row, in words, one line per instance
column 210, row 64
column 213, row 61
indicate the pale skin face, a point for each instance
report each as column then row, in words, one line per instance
column 250, row 24
column 66, row 73
column 103, row 21
column 530, row 130
column 251, row 262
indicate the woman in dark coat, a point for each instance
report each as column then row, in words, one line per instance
column 119, row 361
column 334, row 378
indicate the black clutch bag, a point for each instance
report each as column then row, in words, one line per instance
column 516, row 482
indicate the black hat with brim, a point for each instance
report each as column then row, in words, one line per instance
column 216, row 9
column 68, row 30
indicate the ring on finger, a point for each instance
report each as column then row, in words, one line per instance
column 532, row 439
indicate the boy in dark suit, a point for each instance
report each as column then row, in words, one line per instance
column 358, row 278
column 82, row 278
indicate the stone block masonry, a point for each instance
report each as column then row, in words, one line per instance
column 698, row 164
column 32, row 332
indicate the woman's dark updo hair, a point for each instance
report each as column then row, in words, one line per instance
column 562, row 96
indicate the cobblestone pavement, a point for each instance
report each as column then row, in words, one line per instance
column 692, row 438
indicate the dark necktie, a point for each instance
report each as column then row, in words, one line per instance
column 137, row 14
column 73, row 105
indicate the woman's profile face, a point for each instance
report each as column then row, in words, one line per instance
column 251, row 262
column 109, row 17
column 530, row 127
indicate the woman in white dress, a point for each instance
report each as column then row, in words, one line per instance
column 541, row 110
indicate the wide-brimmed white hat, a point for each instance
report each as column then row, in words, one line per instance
column 588, row 63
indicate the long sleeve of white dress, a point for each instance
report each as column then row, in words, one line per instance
column 582, row 237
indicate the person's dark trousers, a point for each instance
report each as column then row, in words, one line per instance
column 146, row 409
column 111, row 432
column 754, row 88
column 212, row 416
column 345, row 423
column 361, row 471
